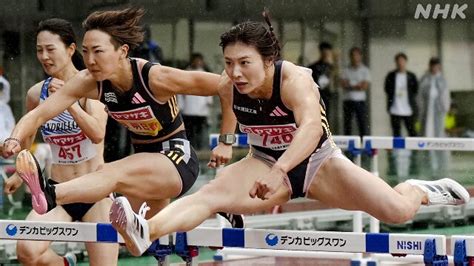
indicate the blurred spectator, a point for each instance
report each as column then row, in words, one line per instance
column 7, row 120
column 195, row 109
column 148, row 49
column 434, row 100
column 4, row 88
column 434, row 104
column 355, row 83
column 323, row 72
column 401, row 87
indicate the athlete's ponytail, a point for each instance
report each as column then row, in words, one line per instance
column 256, row 34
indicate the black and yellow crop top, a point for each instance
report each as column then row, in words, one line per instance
column 138, row 110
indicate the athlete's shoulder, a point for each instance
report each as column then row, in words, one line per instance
column 292, row 73
column 35, row 90
column 84, row 75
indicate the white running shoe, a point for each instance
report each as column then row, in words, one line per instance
column 444, row 191
column 70, row 258
column 133, row 227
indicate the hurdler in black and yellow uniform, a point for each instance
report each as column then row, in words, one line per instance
column 150, row 121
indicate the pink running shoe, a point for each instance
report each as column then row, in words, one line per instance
column 133, row 227
column 42, row 193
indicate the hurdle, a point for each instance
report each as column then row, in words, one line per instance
column 313, row 243
column 372, row 143
column 185, row 244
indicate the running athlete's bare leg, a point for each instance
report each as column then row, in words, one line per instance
column 229, row 192
column 341, row 184
column 39, row 252
column 146, row 176
column 101, row 253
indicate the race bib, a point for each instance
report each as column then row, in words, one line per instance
column 71, row 149
column 275, row 137
column 140, row 121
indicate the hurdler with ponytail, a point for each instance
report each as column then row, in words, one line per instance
column 75, row 139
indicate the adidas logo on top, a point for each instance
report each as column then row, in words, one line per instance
column 137, row 99
column 278, row 112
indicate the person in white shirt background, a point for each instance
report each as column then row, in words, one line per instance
column 401, row 88
column 434, row 101
column 355, row 83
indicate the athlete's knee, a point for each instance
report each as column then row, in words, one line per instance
column 28, row 254
column 214, row 194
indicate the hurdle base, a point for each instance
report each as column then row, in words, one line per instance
column 430, row 257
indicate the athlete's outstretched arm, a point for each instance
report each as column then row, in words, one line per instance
column 81, row 85
column 167, row 82
column 32, row 100
column 223, row 153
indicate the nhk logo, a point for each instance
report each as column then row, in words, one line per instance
column 425, row 11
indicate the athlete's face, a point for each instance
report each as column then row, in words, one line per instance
column 52, row 53
column 244, row 66
column 100, row 55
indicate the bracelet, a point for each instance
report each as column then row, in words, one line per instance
column 11, row 138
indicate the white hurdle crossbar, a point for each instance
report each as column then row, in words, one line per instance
column 418, row 143
column 413, row 244
column 59, row 231
column 316, row 244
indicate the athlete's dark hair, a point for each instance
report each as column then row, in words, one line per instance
column 122, row 25
column 255, row 34
column 63, row 28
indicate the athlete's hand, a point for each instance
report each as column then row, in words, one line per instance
column 12, row 184
column 54, row 85
column 11, row 146
column 220, row 155
column 266, row 186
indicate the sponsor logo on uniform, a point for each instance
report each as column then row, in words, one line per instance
column 137, row 99
column 245, row 109
column 278, row 112
column 110, row 97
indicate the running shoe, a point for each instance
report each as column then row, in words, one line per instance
column 133, row 227
column 235, row 220
column 70, row 259
column 43, row 197
column 445, row 191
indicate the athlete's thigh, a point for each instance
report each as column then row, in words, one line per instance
column 235, row 181
column 151, row 175
column 342, row 184
column 58, row 214
column 101, row 253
